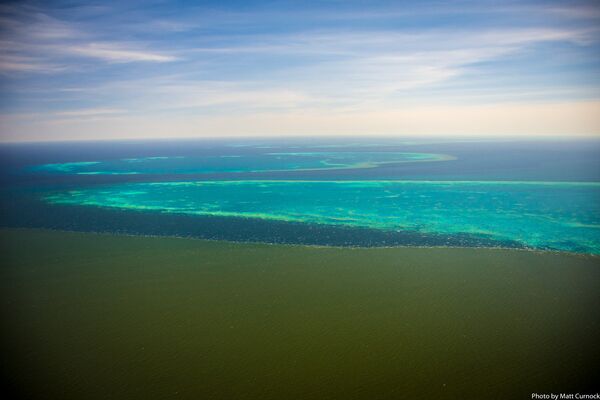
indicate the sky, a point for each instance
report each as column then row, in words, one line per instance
column 85, row 70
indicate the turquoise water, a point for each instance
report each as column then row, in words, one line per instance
column 545, row 215
column 274, row 161
column 369, row 192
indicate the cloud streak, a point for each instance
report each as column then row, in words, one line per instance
column 86, row 112
column 114, row 52
column 35, row 42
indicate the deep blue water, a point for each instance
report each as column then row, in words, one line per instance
column 540, row 194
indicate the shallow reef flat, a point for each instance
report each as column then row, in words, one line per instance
column 283, row 161
column 544, row 215
column 105, row 316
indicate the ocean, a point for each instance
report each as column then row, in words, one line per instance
column 542, row 194
column 437, row 269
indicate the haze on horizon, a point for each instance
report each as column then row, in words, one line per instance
column 157, row 69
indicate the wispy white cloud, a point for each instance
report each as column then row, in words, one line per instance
column 15, row 63
column 115, row 52
column 34, row 41
column 372, row 70
column 348, row 43
column 372, row 66
column 362, row 67
column 50, row 58
column 87, row 112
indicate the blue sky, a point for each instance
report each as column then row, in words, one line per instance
column 96, row 70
